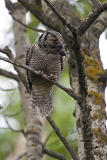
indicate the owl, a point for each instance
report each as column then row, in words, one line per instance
column 45, row 57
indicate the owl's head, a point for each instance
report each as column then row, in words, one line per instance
column 52, row 42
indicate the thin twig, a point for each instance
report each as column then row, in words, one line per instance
column 21, row 130
column 67, row 90
column 12, row 89
column 47, row 138
column 14, row 114
column 27, row 26
column 62, row 138
column 54, row 154
column 91, row 18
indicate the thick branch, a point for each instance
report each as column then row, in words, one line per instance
column 91, row 18
column 54, row 154
column 67, row 90
column 9, row 74
column 62, row 138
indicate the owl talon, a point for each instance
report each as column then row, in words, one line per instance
column 53, row 77
column 40, row 71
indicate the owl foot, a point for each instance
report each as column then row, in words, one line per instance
column 53, row 76
column 40, row 72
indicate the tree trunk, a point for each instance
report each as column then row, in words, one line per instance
column 33, row 120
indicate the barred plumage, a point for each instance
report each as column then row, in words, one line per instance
column 45, row 56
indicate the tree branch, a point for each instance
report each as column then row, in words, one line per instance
column 27, row 26
column 67, row 90
column 21, row 130
column 91, row 18
column 9, row 74
column 62, row 18
column 13, row 115
column 62, row 138
column 80, row 67
column 47, row 138
column 95, row 3
column 11, row 89
column 54, row 154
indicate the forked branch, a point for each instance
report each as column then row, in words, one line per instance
column 91, row 18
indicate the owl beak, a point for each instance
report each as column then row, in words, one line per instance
column 62, row 52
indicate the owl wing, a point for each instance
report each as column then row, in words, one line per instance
column 28, row 58
column 61, row 60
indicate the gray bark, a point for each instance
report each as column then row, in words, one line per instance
column 33, row 120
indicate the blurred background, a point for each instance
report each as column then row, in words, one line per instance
column 10, row 104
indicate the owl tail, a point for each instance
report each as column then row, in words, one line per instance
column 42, row 96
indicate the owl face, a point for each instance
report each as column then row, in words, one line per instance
column 52, row 42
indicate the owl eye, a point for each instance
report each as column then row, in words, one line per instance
column 59, row 46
